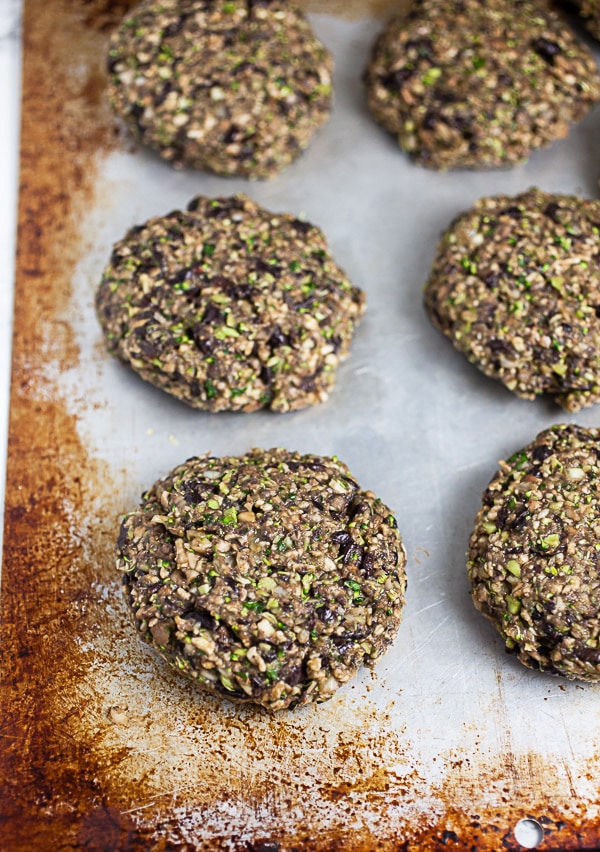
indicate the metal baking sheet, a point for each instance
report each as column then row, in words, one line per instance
column 449, row 743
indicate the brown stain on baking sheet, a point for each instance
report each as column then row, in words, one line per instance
column 102, row 746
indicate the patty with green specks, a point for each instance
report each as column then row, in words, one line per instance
column 515, row 286
column 590, row 14
column 270, row 577
column 534, row 554
column 472, row 84
column 237, row 87
column 228, row 306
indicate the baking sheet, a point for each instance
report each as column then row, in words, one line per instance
column 449, row 743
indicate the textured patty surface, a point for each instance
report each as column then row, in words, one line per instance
column 534, row 556
column 465, row 83
column 229, row 306
column 235, row 87
column 515, row 285
column 270, row 577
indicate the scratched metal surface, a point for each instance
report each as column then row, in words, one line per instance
column 449, row 743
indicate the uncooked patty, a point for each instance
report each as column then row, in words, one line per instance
column 534, row 553
column 271, row 577
column 238, row 88
column 516, row 287
column 229, row 306
column 466, row 83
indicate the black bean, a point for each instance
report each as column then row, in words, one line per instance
column 551, row 210
column 202, row 617
column 294, row 675
column 546, row 49
column 262, row 266
column 181, row 275
column 396, row 79
column 587, row 655
column 519, row 519
column 302, row 227
column 447, row 97
column 502, row 517
column 232, row 135
column 220, row 210
column 463, row 122
column 423, row 46
column 353, row 555
column 498, row 346
column 367, row 566
column 136, row 111
column 430, row 120
column 341, row 537
column 356, row 508
column 175, row 27
column 325, row 614
column 513, row 211
column 336, row 342
column 123, row 538
column 203, row 339
column 246, row 152
column 212, row 315
column 195, row 491
column 150, row 350
column 266, row 375
column 277, row 338
column 162, row 96
column 541, row 452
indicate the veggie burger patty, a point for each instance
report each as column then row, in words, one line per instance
column 229, row 306
column 270, row 577
column 534, row 553
column 515, row 286
column 472, row 84
column 238, row 87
